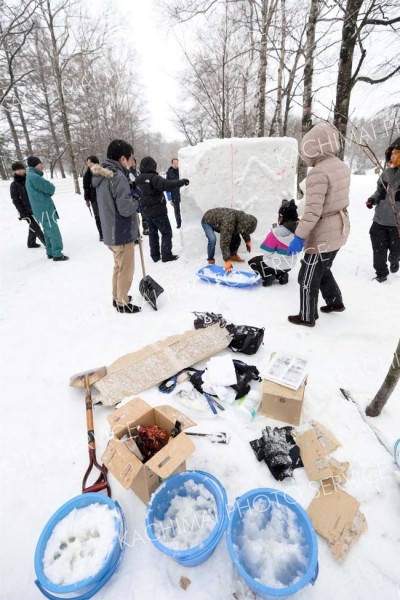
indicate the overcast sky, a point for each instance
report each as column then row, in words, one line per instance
column 161, row 59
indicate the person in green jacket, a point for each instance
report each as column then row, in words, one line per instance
column 40, row 193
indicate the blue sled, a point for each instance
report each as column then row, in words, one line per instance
column 216, row 274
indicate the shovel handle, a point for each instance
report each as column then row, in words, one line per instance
column 140, row 247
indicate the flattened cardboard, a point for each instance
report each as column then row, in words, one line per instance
column 144, row 479
column 315, row 443
column 132, row 373
column 282, row 403
column 335, row 515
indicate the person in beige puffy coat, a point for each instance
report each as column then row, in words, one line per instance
column 324, row 226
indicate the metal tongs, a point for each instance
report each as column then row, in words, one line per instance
column 215, row 438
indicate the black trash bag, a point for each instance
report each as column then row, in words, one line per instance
column 279, row 451
column 246, row 339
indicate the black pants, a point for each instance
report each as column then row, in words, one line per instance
column 162, row 225
column 267, row 273
column 97, row 217
column 235, row 243
column 385, row 239
column 34, row 231
column 177, row 210
column 315, row 275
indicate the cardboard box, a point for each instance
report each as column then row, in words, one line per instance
column 336, row 516
column 143, row 479
column 282, row 403
column 132, row 373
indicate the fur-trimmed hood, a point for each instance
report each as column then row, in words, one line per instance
column 108, row 170
column 102, row 171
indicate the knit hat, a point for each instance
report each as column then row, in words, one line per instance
column 288, row 210
column 33, row 161
column 17, row 165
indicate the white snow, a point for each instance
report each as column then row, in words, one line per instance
column 80, row 544
column 250, row 174
column 57, row 320
column 189, row 520
column 270, row 544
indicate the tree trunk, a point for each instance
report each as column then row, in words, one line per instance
column 276, row 125
column 344, row 80
column 13, row 131
column 262, row 74
column 306, row 121
column 23, row 123
column 374, row 409
column 60, row 91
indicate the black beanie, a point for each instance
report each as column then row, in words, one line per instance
column 288, row 210
column 17, row 165
column 33, row 161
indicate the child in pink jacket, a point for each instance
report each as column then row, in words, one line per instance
column 275, row 264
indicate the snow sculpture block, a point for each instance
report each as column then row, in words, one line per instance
column 250, row 174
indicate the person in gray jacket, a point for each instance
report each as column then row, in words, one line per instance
column 117, row 209
column 384, row 232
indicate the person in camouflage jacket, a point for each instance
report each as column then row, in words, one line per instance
column 231, row 224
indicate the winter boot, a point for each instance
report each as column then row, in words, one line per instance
column 169, row 258
column 394, row 267
column 34, row 246
column 297, row 320
column 114, row 302
column 283, row 279
column 339, row 307
column 60, row 258
column 236, row 258
column 268, row 281
column 381, row 278
column 211, row 261
column 128, row 308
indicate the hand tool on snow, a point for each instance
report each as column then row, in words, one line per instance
column 366, row 419
column 86, row 379
column 148, row 288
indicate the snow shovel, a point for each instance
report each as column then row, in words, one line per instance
column 86, row 379
column 149, row 289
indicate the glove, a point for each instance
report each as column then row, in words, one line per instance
column 369, row 203
column 228, row 266
column 185, row 181
column 295, row 246
column 248, row 246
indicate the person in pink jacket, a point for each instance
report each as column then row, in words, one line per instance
column 276, row 264
column 324, row 226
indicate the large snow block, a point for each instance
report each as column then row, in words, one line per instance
column 250, row 174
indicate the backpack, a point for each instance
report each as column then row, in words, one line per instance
column 246, row 339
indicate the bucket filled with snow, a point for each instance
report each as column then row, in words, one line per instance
column 272, row 543
column 80, row 547
column 187, row 517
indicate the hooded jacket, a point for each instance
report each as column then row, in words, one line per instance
column 276, row 246
column 384, row 213
column 40, row 193
column 117, row 208
column 227, row 222
column 153, row 186
column 19, row 196
column 325, row 224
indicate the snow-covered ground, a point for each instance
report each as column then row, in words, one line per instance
column 57, row 319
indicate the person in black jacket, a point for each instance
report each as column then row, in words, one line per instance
column 20, row 199
column 89, row 192
column 173, row 175
column 384, row 232
column 154, row 208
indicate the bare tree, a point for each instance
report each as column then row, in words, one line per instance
column 360, row 19
column 374, row 409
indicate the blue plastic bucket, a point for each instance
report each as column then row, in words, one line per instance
column 235, row 527
column 81, row 590
column 160, row 503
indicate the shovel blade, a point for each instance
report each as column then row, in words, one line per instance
column 150, row 290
